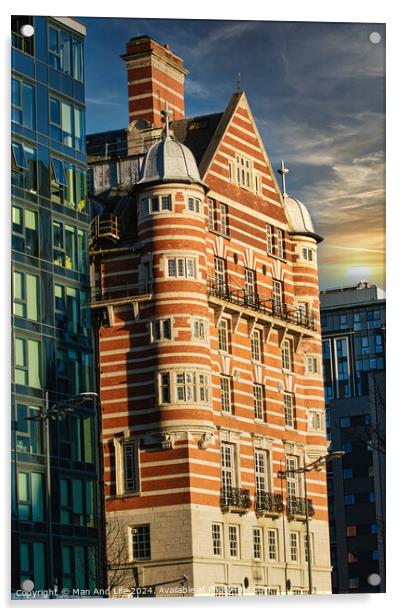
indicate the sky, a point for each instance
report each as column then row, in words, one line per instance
column 317, row 92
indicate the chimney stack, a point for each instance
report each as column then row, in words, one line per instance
column 155, row 77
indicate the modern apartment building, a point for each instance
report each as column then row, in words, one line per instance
column 55, row 502
column 353, row 333
column 205, row 297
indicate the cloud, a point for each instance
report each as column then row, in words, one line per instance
column 104, row 101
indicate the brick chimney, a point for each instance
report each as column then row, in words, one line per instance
column 155, row 76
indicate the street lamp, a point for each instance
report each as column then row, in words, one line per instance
column 316, row 465
column 54, row 412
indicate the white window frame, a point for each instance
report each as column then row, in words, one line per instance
column 228, row 461
column 258, row 401
column 244, row 171
column 270, row 229
column 286, row 355
column 211, row 214
column 217, row 539
column 159, row 324
column 226, row 394
column 194, row 205
column 311, row 549
column 272, row 539
column 280, row 243
column 262, row 470
column 294, row 546
column 223, row 335
column 224, row 219
column 307, row 254
column 234, row 541
column 277, row 292
column 131, row 535
column 122, row 488
column 256, row 346
column 181, row 267
column 289, row 405
column 200, row 329
column 250, row 280
column 156, row 204
column 193, row 384
column 292, row 479
column 312, row 364
column 316, row 420
column 258, row 545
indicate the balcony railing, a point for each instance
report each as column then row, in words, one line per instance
column 105, row 227
column 235, row 499
column 297, row 507
column 120, row 293
column 267, row 306
column 267, row 503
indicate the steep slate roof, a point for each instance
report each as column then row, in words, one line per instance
column 196, row 133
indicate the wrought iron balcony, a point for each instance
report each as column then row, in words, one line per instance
column 115, row 295
column 267, row 503
column 267, row 306
column 297, row 507
column 235, row 499
column 106, row 227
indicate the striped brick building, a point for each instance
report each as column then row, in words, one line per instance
column 205, row 297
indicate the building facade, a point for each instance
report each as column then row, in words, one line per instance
column 205, row 298
column 55, row 501
column 353, row 333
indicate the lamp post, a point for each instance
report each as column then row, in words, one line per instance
column 312, row 466
column 54, row 412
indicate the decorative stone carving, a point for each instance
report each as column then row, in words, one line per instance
column 206, row 439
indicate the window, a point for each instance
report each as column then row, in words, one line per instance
column 233, row 591
column 33, row 564
column 351, row 531
column 69, row 247
column 181, row 267
column 23, row 103
column 224, row 219
column 72, row 370
column 220, row 274
column 375, row 555
column 257, row 183
column 200, row 329
column 77, row 437
column 270, row 239
column 156, row 203
column 233, row 541
column 275, row 242
column 223, row 335
column 256, row 345
column 249, row 286
column 27, row 362
column 294, row 547
column 161, row 329
column 349, row 499
column 261, row 467
column 186, row 386
column 346, row 447
column 312, row 364
column 220, row 591
column 308, row 254
column 67, row 124
column 79, row 567
column 352, row 557
column 306, row 555
column 257, row 543
column 292, row 484
column 194, row 205
column 31, row 496
column 288, row 399
column 26, row 296
column 243, row 171
column 228, row 474
column 217, row 548
column 141, row 542
column 277, row 292
column 70, row 309
column 24, row 43
column 272, row 544
column 68, row 184
column 286, row 351
column 25, row 231
column 316, row 420
column 24, row 166
column 354, row 582
column 226, row 395
column 211, row 214
column 272, row 590
column 164, row 387
column 258, row 401
column 29, row 429
column 342, row 368
column 130, row 466
column 65, row 53
column 77, row 502
column 281, row 243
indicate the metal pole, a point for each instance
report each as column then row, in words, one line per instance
column 310, row 573
column 46, row 421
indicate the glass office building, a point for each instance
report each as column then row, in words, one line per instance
column 55, row 500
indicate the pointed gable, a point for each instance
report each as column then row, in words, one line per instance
column 236, row 164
